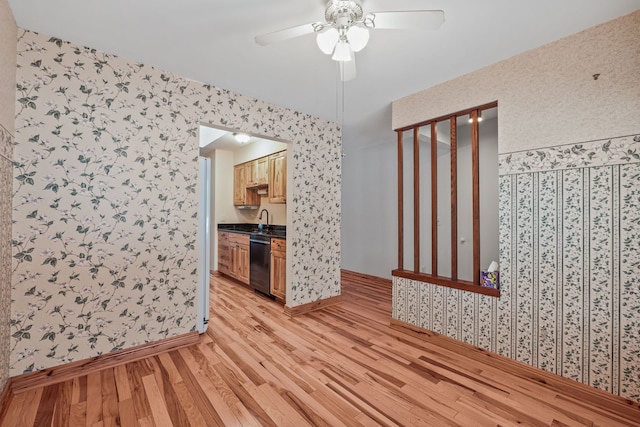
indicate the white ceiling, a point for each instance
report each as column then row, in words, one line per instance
column 212, row 41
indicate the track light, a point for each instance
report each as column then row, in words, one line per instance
column 479, row 117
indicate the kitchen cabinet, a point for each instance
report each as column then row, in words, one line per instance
column 279, row 268
column 241, row 195
column 239, row 186
column 278, row 177
column 224, row 254
column 239, row 248
column 257, row 173
column 233, row 255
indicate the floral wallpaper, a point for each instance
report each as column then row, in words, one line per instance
column 105, row 200
column 6, row 177
column 317, row 173
column 569, row 258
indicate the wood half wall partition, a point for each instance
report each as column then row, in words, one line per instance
column 433, row 276
column 400, row 202
column 454, row 194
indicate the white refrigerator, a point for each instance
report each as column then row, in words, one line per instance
column 204, row 244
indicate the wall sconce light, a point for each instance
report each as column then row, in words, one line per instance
column 242, row 138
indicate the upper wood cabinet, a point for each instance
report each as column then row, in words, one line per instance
column 239, row 185
column 257, row 172
column 265, row 171
column 278, row 177
column 241, row 195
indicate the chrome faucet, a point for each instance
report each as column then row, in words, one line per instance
column 260, row 217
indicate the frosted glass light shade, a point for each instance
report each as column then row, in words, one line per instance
column 242, row 138
column 358, row 38
column 343, row 51
column 327, row 40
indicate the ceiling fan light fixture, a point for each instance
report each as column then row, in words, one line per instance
column 345, row 30
column 358, row 38
column 342, row 52
column 327, row 40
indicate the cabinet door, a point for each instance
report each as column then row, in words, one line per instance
column 278, row 269
column 262, row 171
column 233, row 261
column 243, row 264
column 239, row 185
column 251, row 171
column 224, row 256
column 278, row 177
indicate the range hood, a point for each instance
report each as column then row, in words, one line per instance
column 247, row 206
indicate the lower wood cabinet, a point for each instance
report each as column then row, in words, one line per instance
column 233, row 255
column 279, row 268
column 224, row 253
column 234, row 258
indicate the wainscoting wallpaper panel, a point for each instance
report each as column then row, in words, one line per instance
column 629, row 300
column 505, row 306
column 549, row 249
column 105, row 200
column 524, row 269
column 600, row 334
column 570, row 263
column 572, row 271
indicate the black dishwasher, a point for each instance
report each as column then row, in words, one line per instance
column 260, row 263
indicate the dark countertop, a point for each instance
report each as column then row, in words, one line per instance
column 279, row 231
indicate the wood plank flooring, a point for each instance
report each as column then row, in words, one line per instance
column 341, row 366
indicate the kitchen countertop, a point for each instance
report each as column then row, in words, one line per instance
column 279, row 231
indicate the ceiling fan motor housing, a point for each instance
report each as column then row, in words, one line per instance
column 341, row 13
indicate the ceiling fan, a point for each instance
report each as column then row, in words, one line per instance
column 346, row 30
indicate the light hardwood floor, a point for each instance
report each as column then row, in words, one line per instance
column 339, row 366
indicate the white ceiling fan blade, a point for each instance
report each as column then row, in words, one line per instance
column 347, row 70
column 286, row 34
column 409, row 20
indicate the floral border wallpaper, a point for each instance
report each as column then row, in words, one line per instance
column 105, row 200
column 570, row 263
column 612, row 151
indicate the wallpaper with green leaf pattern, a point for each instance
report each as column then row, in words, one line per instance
column 6, row 153
column 569, row 224
column 105, row 200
